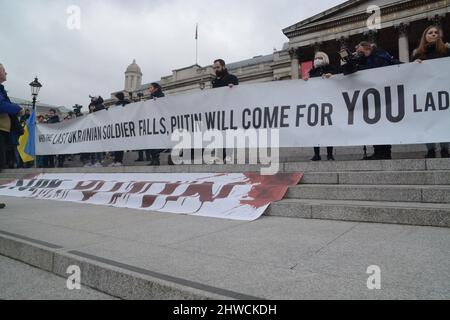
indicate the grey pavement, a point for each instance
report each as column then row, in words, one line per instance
column 271, row 258
column 19, row 281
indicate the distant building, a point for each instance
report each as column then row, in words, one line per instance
column 42, row 108
column 343, row 26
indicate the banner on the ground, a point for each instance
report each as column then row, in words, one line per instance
column 403, row 104
column 236, row 196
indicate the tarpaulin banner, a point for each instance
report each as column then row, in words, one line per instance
column 401, row 104
column 236, row 196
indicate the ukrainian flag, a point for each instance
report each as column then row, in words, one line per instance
column 27, row 146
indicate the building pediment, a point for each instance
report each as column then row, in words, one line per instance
column 340, row 12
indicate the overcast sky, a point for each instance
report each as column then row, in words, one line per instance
column 159, row 34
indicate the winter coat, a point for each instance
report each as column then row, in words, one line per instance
column 225, row 80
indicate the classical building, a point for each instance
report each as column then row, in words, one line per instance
column 343, row 26
column 42, row 108
column 401, row 27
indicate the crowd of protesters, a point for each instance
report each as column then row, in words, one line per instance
column 368, row 56
column 365, row 56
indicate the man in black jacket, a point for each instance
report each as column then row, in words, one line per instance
column 368, row 56
column 223, row 77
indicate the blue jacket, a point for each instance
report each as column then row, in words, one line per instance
column 6, row 106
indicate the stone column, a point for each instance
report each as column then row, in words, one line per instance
column 295, row 64
column 403, row 43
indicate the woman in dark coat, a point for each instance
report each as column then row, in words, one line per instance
column 433, row 47
column 322, row 68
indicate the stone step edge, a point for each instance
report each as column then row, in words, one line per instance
column 115, row 281
column 373, row 186
column 402, row 213
column 6, row 174
column 352, row 166
column 390, row 193
column 371, row 204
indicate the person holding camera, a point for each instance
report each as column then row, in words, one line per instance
column 433, row 47
column 322, row 68
column 368, row 56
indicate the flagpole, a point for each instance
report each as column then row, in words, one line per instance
column 196, row 44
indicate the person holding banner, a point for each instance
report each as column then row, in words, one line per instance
column 156, row 92
column 118, row 155
column 322, row 68
column 96, row 158
column 223, row 79
column 52, row 117
column 433, row 47
column 368, row 56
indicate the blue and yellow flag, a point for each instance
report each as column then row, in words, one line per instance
column 27, row 146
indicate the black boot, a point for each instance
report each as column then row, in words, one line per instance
column 2, row 206
column 154, row 163
column 431, row 154
column 330, row 156
column 445, row 153
column 316, row 155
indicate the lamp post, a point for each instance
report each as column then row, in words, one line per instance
column 35, row 87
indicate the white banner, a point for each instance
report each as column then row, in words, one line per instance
column 236, row 196
column 404, row 104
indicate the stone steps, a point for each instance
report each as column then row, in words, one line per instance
column 390, row 193
column 406, row 213
column 324, row 166
column 412, row 192
column 379, row 178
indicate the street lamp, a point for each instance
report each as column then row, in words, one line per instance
column 35, row 87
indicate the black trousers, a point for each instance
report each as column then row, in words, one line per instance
column 49, row 161
column 147, row 155
column 118, row 156
column 4, row 149
column 329, row 151
column 155, row 154
column 383, row 149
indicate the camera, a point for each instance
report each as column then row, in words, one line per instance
column 77, row 110
column 352, row 61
